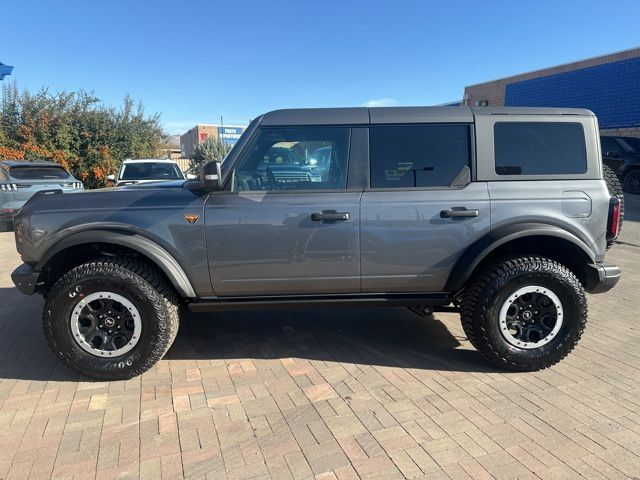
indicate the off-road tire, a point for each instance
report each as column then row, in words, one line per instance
column 615, row 188
column 483, row 298
column 630, row 182
column 138, row 282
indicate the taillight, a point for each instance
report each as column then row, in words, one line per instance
column 613, row 225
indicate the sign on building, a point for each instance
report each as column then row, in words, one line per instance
column 229, row 135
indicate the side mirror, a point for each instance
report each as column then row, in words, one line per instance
column 211, row 176
column 191, row 176
column 111, row 178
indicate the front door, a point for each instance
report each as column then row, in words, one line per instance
column 288, row 225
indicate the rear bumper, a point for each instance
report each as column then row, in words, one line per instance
column 25, row 278
column 601, row 277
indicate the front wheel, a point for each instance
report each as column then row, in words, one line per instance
column 524, row 314
column 111, row 319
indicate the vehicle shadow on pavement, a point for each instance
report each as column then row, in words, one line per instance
column 379, row 336
column 371, row 336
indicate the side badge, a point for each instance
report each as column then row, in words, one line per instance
column 191, row 218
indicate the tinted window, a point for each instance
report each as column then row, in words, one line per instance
column 151, row 171
column 609, row 145
column 634, row 143
column 295, row 159
column 539, row 148
column 38, row 173
column 418, row 155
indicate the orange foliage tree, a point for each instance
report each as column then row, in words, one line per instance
column 76, row 130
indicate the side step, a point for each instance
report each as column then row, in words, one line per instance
column 439, row 300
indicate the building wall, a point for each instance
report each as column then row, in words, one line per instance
column 198, row 134
column 608, row 85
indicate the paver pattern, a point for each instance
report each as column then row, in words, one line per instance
column 342, row 393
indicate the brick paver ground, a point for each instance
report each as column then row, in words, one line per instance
column 371, row 393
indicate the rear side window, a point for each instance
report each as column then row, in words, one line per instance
column 539, row 148
column 406, row 156
column 38, row 173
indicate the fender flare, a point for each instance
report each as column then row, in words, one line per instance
column 479, row 250
column 143, row 245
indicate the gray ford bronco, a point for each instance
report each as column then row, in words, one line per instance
column 501, row 214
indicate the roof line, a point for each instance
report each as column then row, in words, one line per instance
column 558, row 65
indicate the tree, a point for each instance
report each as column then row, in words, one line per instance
column 210, row 149
column 76, row 130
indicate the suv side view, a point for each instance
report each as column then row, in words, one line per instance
column 500, row 214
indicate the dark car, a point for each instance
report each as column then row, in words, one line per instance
column 622, row 154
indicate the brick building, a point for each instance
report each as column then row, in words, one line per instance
column 608, row 85
column 198, row 134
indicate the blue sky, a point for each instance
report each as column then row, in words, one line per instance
column 194, row 61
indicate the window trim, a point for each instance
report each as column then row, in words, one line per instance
column 485, row 147
column 229, row 180
column 471, row 162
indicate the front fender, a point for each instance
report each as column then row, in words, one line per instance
column 150, row 249
column 478, row 251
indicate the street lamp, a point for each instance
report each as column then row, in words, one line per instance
column 5, row 70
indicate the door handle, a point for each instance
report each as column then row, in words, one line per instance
column 459, row 213
column 330, row 215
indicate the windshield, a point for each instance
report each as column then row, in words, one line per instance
column 38, row 173
column 151, row 171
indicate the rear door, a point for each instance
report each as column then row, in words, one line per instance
column 289, row 225
column 422, row 210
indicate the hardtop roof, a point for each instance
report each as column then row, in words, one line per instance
column 386, row 115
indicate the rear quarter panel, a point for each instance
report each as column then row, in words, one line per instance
column 579, row 206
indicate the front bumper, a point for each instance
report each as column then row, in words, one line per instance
column 25, row 278
column 601, row 277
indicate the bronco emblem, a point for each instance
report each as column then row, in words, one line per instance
column 191, row 218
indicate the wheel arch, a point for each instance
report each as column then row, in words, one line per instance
column 82, row 243
column 523, row 239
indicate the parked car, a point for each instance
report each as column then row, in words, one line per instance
column 20, row 180
column 622, row 154
column 500, row 214
column 147, row 170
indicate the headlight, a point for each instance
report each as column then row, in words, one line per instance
column 8, row 187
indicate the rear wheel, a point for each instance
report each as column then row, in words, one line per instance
column 524, row 314
column 111, row 319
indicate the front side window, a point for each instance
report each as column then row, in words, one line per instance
column 418, row 155
column 151, row 171
column 539, row 148
column 303, row 158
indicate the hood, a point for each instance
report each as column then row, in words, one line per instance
column 142, row 184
